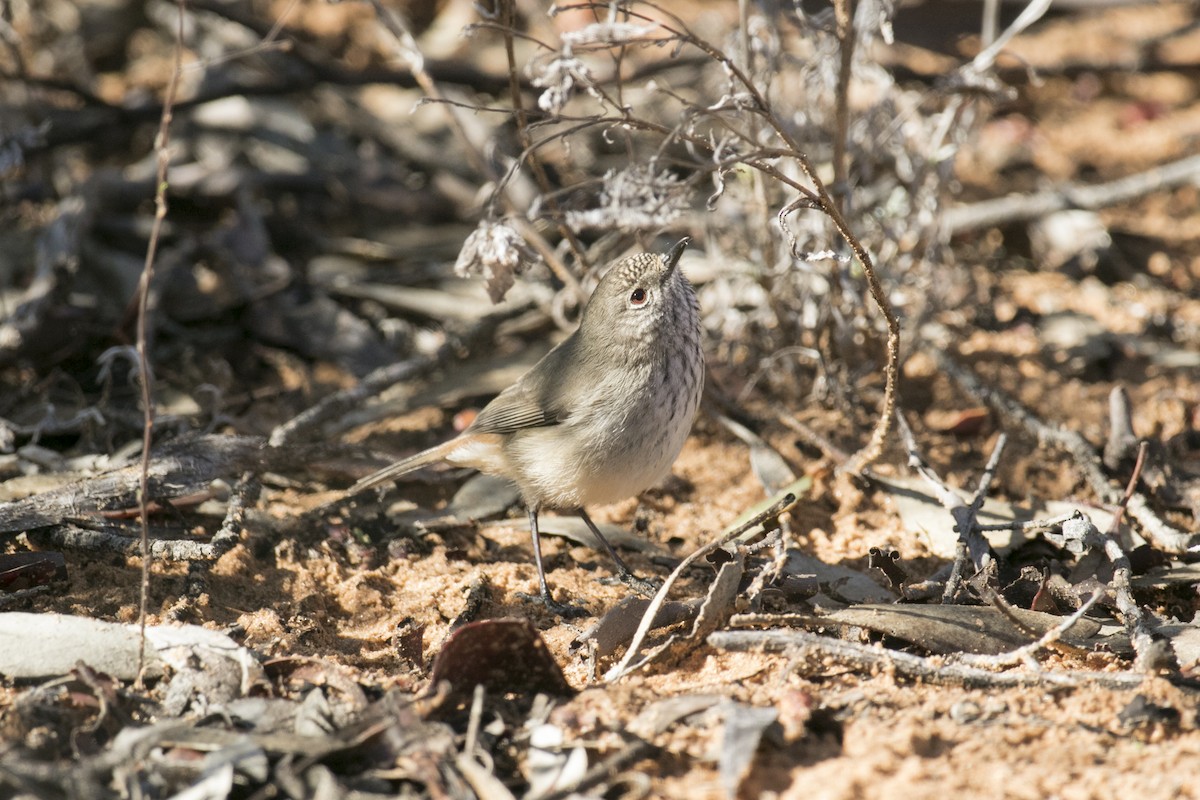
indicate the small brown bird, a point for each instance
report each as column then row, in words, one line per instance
column 603, row 415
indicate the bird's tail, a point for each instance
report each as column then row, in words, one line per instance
column 405, row 466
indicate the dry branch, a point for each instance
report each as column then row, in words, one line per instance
column 965, row 515
column 1150, row 654
column 1019, row 208
column 179, row 468
column 1158, row 532
column 113, row 539
column 824, row 650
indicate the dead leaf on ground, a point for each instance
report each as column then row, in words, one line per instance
column 502, row 655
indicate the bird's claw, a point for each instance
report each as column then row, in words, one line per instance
column 564, row 610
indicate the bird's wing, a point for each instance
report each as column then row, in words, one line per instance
column 534, row 401
column 513, row 409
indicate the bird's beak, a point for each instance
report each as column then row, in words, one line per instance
column 671, row 259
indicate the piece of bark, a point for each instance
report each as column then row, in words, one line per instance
column 179, row 468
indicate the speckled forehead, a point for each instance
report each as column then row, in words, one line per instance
column 637, row 267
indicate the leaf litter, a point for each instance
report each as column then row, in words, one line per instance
column 338, row 655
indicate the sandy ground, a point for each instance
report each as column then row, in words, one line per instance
column 342, row 596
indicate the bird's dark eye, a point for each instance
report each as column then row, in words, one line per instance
column 638, row 297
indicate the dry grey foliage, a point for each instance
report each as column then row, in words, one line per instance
column 636, row 198
column 678, row 112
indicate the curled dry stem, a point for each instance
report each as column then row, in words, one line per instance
column 816, row 196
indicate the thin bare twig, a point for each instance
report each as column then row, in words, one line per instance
column 1025, row 653
column 991, row 21
column 162, row 145
column 625, row 666
column 811, row 437
column 843, row 14
column 530, row 158
column 1029, row 524
column 416, row 61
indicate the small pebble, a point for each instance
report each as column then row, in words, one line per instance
column 965, row 712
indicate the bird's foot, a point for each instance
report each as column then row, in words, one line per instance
column 647, row 587
column 564, row 610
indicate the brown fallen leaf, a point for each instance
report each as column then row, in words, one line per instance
column 502, row 655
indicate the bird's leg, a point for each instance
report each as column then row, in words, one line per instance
column 544, row 597
column 624, row 573
column 543, row 589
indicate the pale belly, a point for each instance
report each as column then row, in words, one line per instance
column 602, row 462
